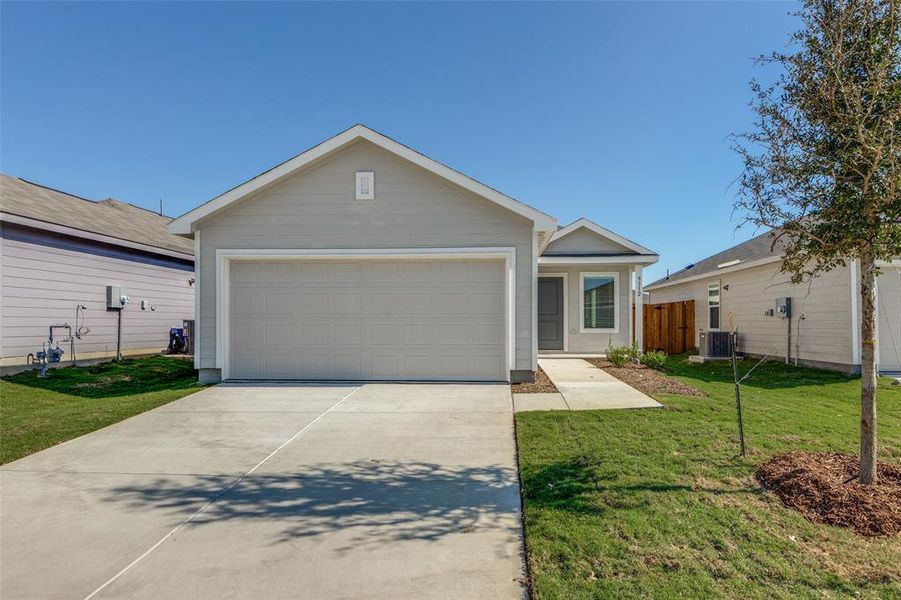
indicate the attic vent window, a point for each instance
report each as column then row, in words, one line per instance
column 731, row 263
column 365, row 185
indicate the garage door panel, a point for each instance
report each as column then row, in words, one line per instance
column 417, row 271
column 384, row 304
column 417, row 303
column 415, row 319
column 314, row 303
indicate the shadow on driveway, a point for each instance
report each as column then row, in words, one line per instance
column 377, row 501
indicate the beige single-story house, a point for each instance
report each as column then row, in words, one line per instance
column 739, row 287
column 362, row 259
column 58, row 255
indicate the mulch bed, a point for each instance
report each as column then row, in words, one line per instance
column 646, row 380
column 542, row 385
column 813, row 483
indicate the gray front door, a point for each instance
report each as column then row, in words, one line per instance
column 550, row 313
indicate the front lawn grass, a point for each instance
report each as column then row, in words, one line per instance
column 656, row 504
column 38, row 413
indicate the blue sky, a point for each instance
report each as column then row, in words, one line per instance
column 617, row 112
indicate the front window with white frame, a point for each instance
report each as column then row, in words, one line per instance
column 600, row 302
column 713, row 305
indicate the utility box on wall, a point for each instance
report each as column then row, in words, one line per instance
column 784, row 308
column 116, row 297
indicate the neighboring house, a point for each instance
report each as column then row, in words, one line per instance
column 738, row 288
column 60, row 251
column 362, row 259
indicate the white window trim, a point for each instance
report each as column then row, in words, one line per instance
column 565, row 308
column 616, row 315
column 719, row 285
column 224, row 257
column 361, row 175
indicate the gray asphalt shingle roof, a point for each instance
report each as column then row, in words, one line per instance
column 107, row 217
column 752, row 250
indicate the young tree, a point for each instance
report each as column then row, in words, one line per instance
column 822, row 165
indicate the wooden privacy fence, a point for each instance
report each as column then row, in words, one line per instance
column 669, row 326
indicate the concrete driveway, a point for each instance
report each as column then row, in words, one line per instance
column 275, row 491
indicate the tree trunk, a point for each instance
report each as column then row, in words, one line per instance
column 867, row 369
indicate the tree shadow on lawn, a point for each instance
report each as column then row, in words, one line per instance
column 372, row 502
column 771, row 375
column 114, row 379
column 573, row 486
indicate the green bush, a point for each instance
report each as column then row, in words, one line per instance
column 654, row 359
column 620, row 355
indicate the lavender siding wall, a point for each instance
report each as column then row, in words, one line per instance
column 44, row 276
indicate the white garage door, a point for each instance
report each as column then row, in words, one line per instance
column 367, row 319
column 889, row 305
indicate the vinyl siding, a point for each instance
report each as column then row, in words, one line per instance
column 44, row 277
column 316, row 209
column 888, row 303
column 592, row 342
column 583, row 241
column 825, row 332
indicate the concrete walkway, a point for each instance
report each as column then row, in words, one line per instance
column 585, row 387
column 275, row 491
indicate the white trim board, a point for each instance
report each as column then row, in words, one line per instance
column 536, row 242
column 185, row 224
column 626, row 259
column 196, row 332
column 565, row 277
column 225, row 256
column 603, row 232
column 616, row 290
column 855, row 315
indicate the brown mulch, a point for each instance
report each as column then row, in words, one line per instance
column 542, row 385
column 646, row 380
column 813, row 483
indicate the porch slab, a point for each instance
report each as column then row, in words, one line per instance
column 542, row 401
column 586, row 387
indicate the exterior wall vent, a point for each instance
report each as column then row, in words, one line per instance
column 365, row 185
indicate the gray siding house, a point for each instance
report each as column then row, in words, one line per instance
column 59, row 251
column 738, row 288
column 363, row 259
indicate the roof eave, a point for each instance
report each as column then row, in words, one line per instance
column 664, row 283
column 625, row 259
column 603, row 232
column 93, row 236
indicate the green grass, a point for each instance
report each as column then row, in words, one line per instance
column 38, row 413
column 657, row 504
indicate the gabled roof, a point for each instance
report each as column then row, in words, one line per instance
column 757, row 251
column 109, row 221
column 603, row 232
column 184, row 225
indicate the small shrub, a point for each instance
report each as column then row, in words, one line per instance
column 654, row 359
column 620, row 355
